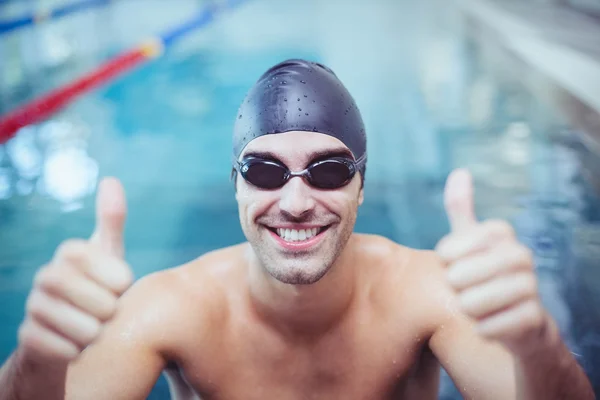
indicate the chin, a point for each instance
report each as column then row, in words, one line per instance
column 298, row 274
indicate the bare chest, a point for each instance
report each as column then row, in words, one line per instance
column 356, row 362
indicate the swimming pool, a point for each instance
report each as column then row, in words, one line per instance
column 431, row 100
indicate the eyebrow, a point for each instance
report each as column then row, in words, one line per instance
column 314, row 156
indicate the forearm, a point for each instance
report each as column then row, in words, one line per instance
column 27, row 379
column 551, row 372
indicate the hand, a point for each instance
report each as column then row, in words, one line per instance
column 491, row 272
column 77, row 292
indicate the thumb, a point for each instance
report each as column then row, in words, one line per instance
column 458, row 200
column 111, row 210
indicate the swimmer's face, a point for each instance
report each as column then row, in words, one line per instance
column 280, row 223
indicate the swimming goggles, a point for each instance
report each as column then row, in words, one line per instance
column 331, row 173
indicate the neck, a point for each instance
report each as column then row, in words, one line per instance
column 304, row 310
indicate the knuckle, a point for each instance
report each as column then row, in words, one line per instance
column 35, row 337
column 525, row 255
column 498, row 228
column 518, row 256
column 528, row 284
column 51, row 277
column 24, row 332
column 35, row 305
column 70, row 353
column 91, row 333
column 96, row 328
column 502, row 228
column 42, row 275
column 533, row 312
column 442, row 247
column 28, row 335
column 125, row 274
column 126, row 285
column 26, row 338
column 70, row 250
column 108, row 309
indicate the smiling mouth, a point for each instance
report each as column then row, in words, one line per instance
column 298, row 235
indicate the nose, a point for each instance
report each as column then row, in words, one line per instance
column 296, row 198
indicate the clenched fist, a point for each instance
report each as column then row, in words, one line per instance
column 77, row 292
column 491, row 272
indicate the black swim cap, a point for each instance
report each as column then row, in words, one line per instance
column 299, row 95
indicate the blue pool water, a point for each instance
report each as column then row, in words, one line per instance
column 431, row 99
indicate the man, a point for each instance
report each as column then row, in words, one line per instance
column 305, row 309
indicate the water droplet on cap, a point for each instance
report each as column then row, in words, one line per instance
column 303, row 81
column 299, row 109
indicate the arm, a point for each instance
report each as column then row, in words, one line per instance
column 74, row 305
column 482, row 369
column 125, row 361
column 22, row 377
column 551, row 369
column 497, row 324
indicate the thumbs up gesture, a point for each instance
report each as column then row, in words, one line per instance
column 491, row 272
column 77, row 291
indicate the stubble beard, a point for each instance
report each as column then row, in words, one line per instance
column 303, row 268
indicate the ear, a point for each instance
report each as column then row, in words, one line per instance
column 361, row 196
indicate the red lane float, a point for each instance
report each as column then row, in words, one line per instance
column 43, row 107
column 53, row 101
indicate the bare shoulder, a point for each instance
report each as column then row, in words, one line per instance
column 408, row 276
column 200, row 282
column 396, row 260
column 159, row 314
column 159, row 307
column 379, row 250
column 208, row 275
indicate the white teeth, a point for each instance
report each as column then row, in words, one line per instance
column 297, row 235
column 302, row 234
